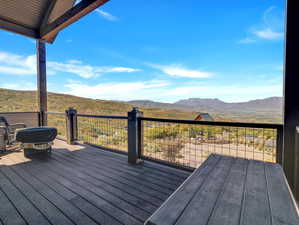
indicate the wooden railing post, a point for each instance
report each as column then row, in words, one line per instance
column 43, row 118
column 71, row 125
column 135, row 138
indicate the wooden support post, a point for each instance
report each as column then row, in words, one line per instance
column 135, row 138
column 71, row 126
column 291, row 103
column 41, row 81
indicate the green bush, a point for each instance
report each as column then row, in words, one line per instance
column 164, row 132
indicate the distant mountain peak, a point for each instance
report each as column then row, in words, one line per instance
column 253, row 109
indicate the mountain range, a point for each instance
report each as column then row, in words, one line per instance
column 267, row 109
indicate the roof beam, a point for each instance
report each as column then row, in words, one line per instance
column 47, row 14
column 15, row 28
column 78, row 11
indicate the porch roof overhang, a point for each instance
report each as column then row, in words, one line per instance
column 43, row 19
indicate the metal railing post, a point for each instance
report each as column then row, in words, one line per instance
column 135, row 138
column 279, row 146
column 140, row 136
column 71, row 125
column 296, row 172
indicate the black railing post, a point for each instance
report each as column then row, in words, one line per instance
column 279, row 145
column 71, row 125
column 296, row 172
column 135, row 139
column 140, row 135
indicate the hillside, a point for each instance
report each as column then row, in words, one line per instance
column 21, row 101
column 260, row 110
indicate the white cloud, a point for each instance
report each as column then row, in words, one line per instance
column 85, row 70
column 268, row 34
column 246, row 41
column 271, row 27
column 25, row 86
column 106, row 15
column 118, row 70
column 17, row 64
column 116, row 91
column 167, row 92
column 26, row 65
column 180, row 71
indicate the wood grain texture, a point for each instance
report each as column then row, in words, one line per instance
column 72, row 15
column 171, row 210
column 81, row 185
column 230, row 191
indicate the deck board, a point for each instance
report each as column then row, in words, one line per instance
column 8, row 213
column 73, row 213
column 24, row 207
column 126, row 192
column 167, row 181
column 228, row 208
column 82, row 185
column 160, row 188
column 230, row 191
column 207, row 195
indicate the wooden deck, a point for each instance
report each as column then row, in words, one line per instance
column 230, row 191
column 82, row 185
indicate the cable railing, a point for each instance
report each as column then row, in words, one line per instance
column 188, row 143
column 109, row 132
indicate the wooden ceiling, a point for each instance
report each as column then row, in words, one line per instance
column 43, row 19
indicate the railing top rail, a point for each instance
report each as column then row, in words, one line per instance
column 55, row 113
column 16, row 112
column 214, row 123
column 103, row 117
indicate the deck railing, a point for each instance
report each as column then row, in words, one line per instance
column 30, row 119
column 110, row 132
column 180, row 143
column 188, row 143
column 58, row 120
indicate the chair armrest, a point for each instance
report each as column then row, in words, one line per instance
column 13, row 127
column 3, row 138
column 3, row 130
column 17, row 126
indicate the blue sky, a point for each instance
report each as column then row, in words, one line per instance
column 159, row 50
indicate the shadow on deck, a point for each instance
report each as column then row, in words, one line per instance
column 82, row 185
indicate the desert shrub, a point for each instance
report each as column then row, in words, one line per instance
column 195, row 131
column 164, row 132
column 168, row 149
column 172, row 150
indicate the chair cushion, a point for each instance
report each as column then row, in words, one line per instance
column 36, row 135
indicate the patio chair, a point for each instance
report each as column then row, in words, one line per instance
column 7, row 132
